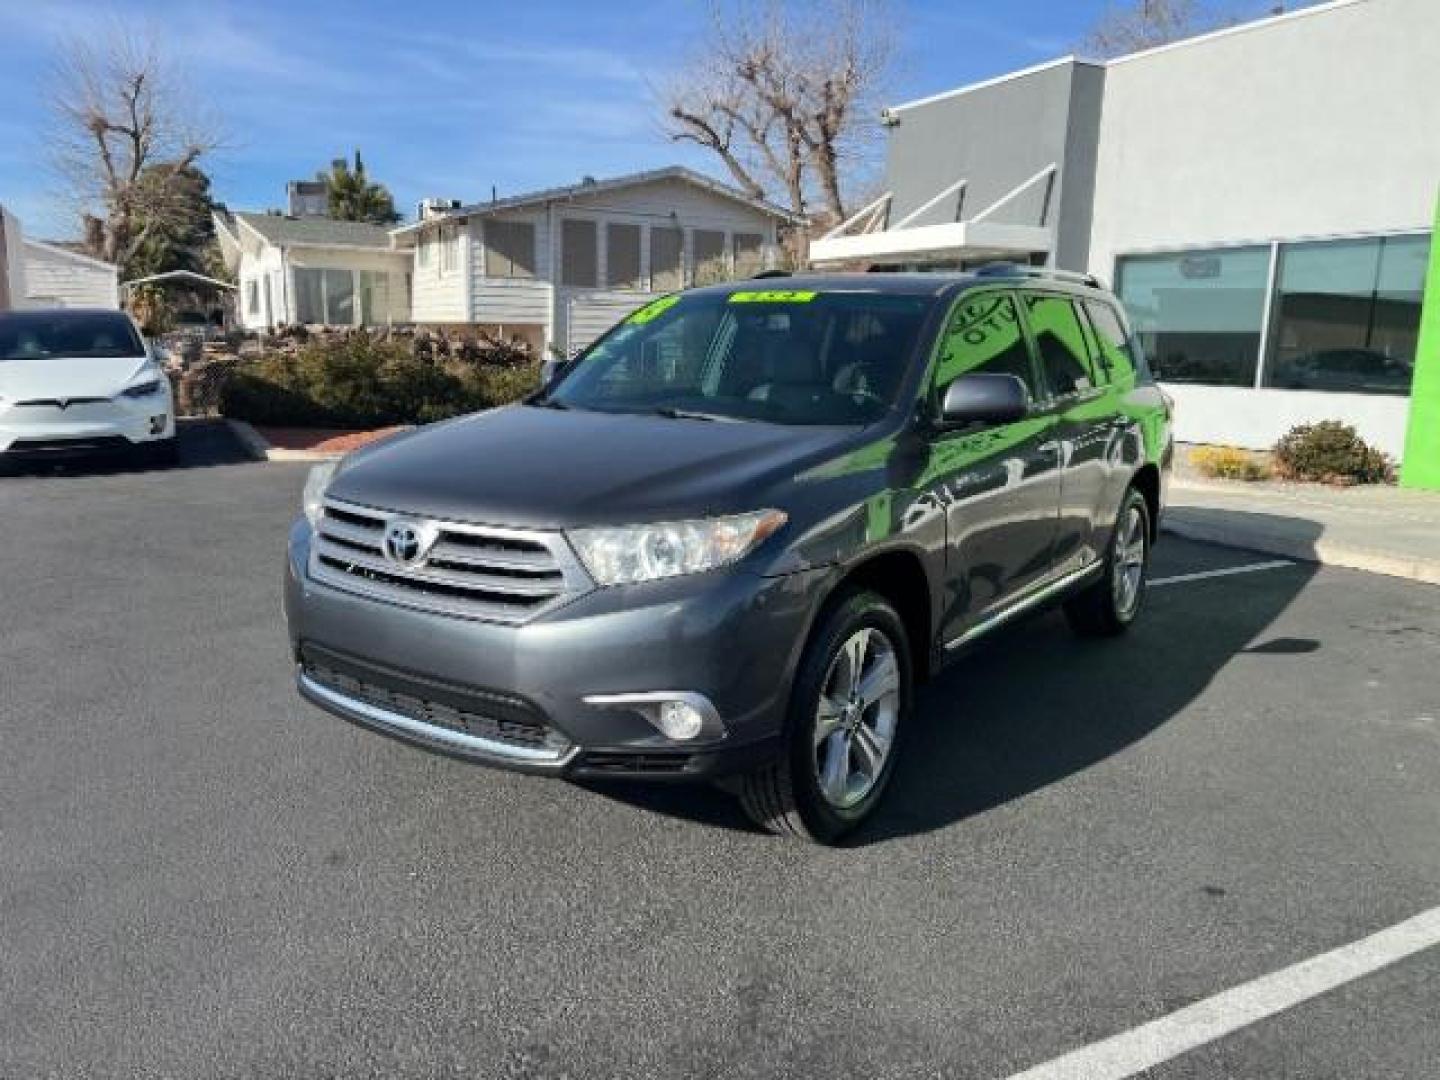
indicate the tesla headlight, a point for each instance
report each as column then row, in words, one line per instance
column 632, row 553
column 145, row 389
column 315, row 486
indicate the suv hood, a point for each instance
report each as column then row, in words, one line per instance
column 61, row 377
column 543, row 468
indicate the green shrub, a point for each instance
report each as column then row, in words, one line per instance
column 1332, row 453
column 360, row 381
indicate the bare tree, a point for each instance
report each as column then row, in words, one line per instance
column 127, row 140
column 782, row 92
column 1147, row 24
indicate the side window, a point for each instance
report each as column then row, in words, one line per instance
column 1115, row 346
column 984, row 336
column 1060, row 339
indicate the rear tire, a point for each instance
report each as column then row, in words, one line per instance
column 1109, row 606
column 851, row 696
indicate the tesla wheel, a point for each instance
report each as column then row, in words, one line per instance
column 848, row 708
column 1110, row 605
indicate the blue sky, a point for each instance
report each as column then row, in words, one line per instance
column 448, row 98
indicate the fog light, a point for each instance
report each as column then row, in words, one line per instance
column 681, row 715
column 157, row 423
column 678, row 720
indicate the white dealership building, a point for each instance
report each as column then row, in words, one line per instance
column 1261, row 197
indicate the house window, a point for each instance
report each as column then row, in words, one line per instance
column 1347, row 315
column 509, row 249
column 252, row 297
column 666, row 247
column 449, row 249
column 709, row 257
column 579, row 255
column 375, row 301
column 622, row 255
column 324, row 296
column 422, row 251
column 749, row 254
column 1198, row 314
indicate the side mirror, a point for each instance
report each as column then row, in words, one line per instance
column 984, row 399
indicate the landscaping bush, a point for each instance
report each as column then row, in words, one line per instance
column 1228, row 463
column 1332, row 453
column 360, row 380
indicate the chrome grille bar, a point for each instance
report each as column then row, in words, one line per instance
column 474, row 571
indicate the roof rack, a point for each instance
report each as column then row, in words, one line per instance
column 1008, row 269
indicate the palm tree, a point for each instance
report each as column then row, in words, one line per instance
column 352, row 197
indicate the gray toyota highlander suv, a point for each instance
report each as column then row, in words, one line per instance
column 727, row 541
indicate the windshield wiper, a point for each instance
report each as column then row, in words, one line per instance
column 547, row 403
column 672, row 413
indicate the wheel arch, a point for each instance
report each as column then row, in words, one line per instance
column 899, row 576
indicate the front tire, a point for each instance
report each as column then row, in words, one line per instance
column 1109, row 606
column 851, row 697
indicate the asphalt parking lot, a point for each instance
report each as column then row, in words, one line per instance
column 200, row 876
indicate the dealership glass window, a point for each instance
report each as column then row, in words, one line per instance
column 579, row 253
column 509, row 249
column 622, row 255
column 1347, row 315
column 1198, row 314
column 324, row 296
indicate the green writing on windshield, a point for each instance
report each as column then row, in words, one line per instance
column 653, row 310
column 773, row 296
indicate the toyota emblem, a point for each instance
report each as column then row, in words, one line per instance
column 406, row 542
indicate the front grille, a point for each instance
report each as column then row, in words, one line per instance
column 483, row 714
column 472, row 571
column 83, row 444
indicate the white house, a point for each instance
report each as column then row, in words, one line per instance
column 58, row 277
column 313, row 270
column 560, row 266
column 38, row 275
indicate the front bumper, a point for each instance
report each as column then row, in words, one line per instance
column 445, row 682
column 86, row 426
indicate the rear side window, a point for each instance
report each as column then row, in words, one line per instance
column 1061, row 341
column 37, row 335
column 1115, row 345
column 984, row 337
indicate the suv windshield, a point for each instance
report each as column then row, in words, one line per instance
column 35, row 335
column 775, row 355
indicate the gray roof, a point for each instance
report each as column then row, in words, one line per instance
column 592, row 187
column 284, row 231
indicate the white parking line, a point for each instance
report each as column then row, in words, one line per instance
column 1248, row 568
column 1144, row 1047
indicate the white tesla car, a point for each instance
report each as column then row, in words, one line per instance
column 74, row 381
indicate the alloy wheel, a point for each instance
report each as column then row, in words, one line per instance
column 1128, row 573
column 856, row 717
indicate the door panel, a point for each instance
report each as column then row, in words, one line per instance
column 1085, row 416
column 999, row 487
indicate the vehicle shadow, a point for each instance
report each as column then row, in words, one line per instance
column 203, row 443
column 1034, row 704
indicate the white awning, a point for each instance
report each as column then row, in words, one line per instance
column 869, row 237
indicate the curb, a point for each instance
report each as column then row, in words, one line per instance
column 1318, row 551
column 258, row 448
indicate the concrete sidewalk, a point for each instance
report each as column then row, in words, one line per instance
column 1384, row 530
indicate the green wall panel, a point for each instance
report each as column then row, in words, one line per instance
column 1421, row 466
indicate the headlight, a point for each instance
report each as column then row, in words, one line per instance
column 621, row 556
column 315, row 484
column 142, row 390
